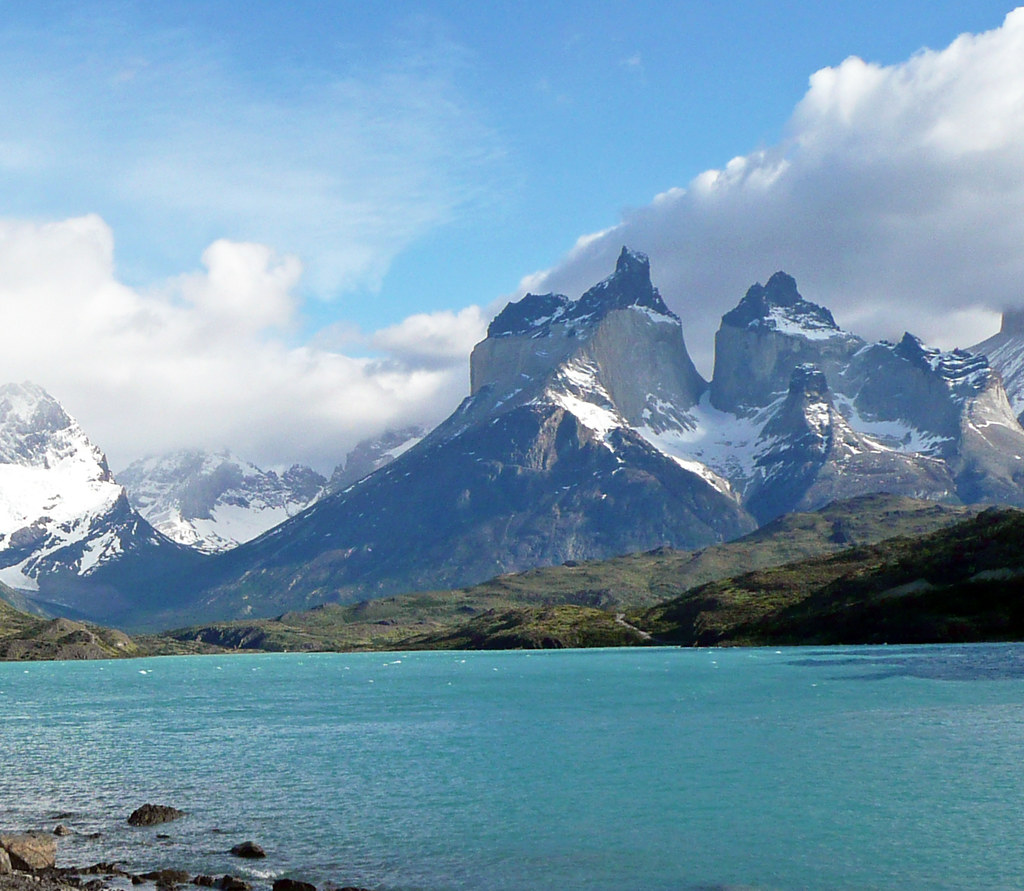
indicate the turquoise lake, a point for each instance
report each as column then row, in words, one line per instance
column 832, row 768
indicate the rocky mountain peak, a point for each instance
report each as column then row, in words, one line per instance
column 779, row 306
column 629, row 285
column 35, row 431
column 771, row 331
column 963, row 372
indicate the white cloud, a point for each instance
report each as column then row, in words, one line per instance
column 206, row 360
column 439, row 339
column 897, row 200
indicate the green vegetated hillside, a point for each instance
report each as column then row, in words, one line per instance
column 574, row 605
column 963, row 583
column 27, row 637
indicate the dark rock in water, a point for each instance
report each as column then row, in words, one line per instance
column 167, row 877
column 101, row 869
column 205, row 881
column 154, row 814
column 138, row 880
column 292, row 885
column 231, row 883
column 30, row 851
column 249, row 849
column 61, row 829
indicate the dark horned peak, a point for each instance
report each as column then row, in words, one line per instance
column 629, row 285
column 533, row 311
column 779, row 306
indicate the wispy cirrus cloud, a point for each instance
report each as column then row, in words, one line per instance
column 176, row 144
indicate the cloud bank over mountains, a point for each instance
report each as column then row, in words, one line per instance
column 897, row 199
column 208, row 359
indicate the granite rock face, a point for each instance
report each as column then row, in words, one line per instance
column 772, row 331
column 30, row 851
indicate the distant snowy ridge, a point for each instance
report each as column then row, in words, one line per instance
column 216, row 501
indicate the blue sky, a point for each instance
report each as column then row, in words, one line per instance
column 391, row 172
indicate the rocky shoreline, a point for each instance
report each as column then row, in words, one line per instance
column 28, row 862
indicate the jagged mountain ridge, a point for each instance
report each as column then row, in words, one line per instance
column 589, row 432
column 215, row 501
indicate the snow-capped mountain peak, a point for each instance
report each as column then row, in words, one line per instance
column 61, row 512
column 35, row 431
column 778, row 306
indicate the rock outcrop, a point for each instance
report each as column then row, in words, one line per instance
column 30, row 851
column 154, row 815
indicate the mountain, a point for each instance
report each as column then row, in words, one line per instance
column 588, row 433
column 800, row 412
column 809, row 455
column 545, row 461
column 373, row 454
column 1005, row 352
column 69, row 539
column 516, row 609
column 213, row 502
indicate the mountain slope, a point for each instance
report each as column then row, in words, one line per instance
column 963, row 583
column 516, row 607
column 1005, row 352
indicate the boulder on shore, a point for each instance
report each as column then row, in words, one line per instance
column 5, row 863
column 30, row 851
column 154, row 814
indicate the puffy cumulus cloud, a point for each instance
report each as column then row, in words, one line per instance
column 206, row 360
column 897, row 200
column 434, row 340
column 245, row 287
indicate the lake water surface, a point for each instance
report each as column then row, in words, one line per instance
column 833, row 768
